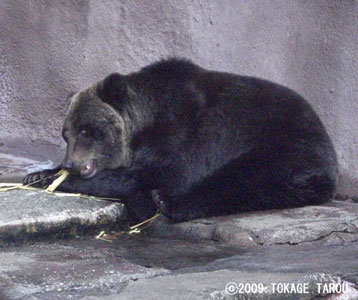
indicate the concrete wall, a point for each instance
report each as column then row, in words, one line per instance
column 49, row 48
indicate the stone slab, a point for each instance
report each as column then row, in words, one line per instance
column 35, row 214
column 331, row 222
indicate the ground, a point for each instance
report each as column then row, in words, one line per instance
column 49, row 250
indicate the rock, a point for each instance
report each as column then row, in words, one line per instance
column 226, row 285
column 55, row 271
column 334, row 221
column 315, row 246
column 34, row 214
column 97, row 270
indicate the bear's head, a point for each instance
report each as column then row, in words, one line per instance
column 95, row 130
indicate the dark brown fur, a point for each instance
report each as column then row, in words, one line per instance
column 208, row 143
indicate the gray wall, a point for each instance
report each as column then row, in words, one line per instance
column 49, row 48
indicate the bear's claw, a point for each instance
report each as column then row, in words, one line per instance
column 159, row 202
column 39, row 179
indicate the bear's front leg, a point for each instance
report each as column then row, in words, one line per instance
column 118, row 184
column 179, row 208
column 121, row 184
column 104, row 184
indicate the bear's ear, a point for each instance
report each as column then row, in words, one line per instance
column 112, row 90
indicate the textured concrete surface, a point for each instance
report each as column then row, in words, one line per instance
column 34, row 214
column 332, row 222
column 49, row 48
column 192, row 260
column 314, row 246
column 93, row 269
column 203, row 286
column 64, row 272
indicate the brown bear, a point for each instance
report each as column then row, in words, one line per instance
column 195, row 143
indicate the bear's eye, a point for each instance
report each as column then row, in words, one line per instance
column 90, row 132
column 84, row 131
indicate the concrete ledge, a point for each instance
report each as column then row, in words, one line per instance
column 35, row 214
column 335, row 221
column 311, row 245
